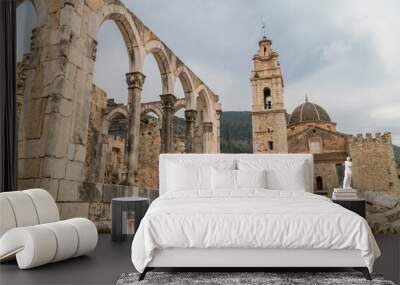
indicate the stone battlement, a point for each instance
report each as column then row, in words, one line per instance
column 385, row 138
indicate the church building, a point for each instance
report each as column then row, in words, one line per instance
column 309, row 129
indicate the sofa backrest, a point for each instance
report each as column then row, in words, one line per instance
column 230, row 161
column 26, row 208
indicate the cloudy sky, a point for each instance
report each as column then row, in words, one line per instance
column 344, row 54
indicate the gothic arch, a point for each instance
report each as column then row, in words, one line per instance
column 129, row 31
column 152, row 107
column 204, row 103
column 182, row 73
column 119, row 111
column 158, row 50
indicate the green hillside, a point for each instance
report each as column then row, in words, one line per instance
column 396, row 150
column 235, row 131
column 236, row 134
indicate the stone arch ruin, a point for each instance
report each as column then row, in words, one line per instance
column 63, row 130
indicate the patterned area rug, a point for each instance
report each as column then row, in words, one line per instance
column 229, row 278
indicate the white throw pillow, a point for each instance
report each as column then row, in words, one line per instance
column 188, row 177
column 251, row 178
column 223, row 179
column 288, row 176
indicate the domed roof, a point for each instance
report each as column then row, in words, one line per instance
column 307, row 112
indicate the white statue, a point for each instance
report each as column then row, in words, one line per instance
column 347, row 174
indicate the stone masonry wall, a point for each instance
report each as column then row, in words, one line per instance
column 149, row 151
column 375, row 176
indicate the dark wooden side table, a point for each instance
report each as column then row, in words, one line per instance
column 120, row 208
column 357, row 206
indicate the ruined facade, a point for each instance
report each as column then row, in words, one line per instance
column 55, row 91
column 309, row 129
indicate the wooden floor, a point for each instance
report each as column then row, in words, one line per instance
column 110, row 260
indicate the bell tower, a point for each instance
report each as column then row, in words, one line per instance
column 268, row 111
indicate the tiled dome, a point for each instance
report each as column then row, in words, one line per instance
column 308, row 112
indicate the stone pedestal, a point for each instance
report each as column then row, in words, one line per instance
column 135, row 82
column 168, row 102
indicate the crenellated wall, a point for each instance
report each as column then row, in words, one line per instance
column 375, row 176
column 374, row 167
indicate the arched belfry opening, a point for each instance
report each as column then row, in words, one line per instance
column 267, row 98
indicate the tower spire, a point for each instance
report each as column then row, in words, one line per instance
column 306, row 98
column 263, row 30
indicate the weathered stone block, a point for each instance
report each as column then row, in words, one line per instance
column 90, row 191
column 35, row 110
column 74, row 210
column 80, row 153
column 54, row 68
column 111, row 191
column 29, row 168
column 69, row 191
column 51, row 185
column 31, row 149
column 94, row 4
column 24, row 184
column 57, row 131
column 53, row 167
column 74, row 171
column 69, row 17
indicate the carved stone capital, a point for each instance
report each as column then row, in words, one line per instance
column 207, row 127
column 168, row 101
column 135, row 80
column 190, row 115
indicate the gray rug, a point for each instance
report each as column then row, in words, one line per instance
column 229, row 278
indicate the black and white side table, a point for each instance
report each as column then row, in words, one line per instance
column 120, row 208
column 357, row 206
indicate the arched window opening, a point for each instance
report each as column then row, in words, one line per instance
column 112, row 62
column 315, row 147
column 26, row 21
column 267, row 98
column 320, row 183
column 152, row 87
column 271, row 145
column 118, row 126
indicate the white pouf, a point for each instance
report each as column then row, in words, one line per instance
column 31, row 232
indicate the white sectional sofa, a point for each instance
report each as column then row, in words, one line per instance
column 31, row 230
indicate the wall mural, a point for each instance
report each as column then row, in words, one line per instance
column 84, row 148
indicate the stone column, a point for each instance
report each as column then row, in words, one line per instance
column 190, row 116
column 167, row 131
column 207, row 136
column 219, row 112
column 135, row 82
